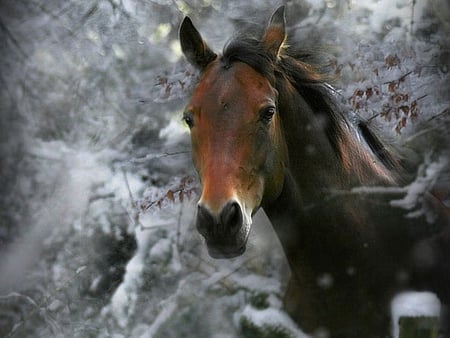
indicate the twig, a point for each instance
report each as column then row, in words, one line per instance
column 169, row 306
column 130, row 194
column 400, row 79
column 374, row 116
column 101, row 196
column 378, row 190
column 13, row 40
column 135, row 216
column 443, row 113
column 178, row 240
column 150, row 157
column 420, row 133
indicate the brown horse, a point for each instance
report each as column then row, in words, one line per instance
column 266, row 132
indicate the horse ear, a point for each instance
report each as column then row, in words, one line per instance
column 275, row 34
column 194, row 48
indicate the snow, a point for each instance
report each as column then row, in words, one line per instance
column 384, row 11
column 175, row 132
column 416, row 195
column 416, row 191
column 274, row 318
column 161, row 251
column 124, row 298
column 414, row 304
column 168, row 308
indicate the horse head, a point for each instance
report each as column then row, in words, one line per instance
column 237, row 141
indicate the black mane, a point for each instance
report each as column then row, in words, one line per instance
column 250, row 50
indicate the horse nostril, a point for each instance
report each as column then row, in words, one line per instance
column 231, row 218
column 205, row 220
column 227, row 224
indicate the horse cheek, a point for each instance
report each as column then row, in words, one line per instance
column 197, row 154
column 271, row 164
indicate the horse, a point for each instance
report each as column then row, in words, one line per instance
column 267, row 131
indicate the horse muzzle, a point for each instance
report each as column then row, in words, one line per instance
column 226, row 231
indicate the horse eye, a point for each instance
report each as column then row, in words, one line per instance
column 188, row 118
column 266, row 114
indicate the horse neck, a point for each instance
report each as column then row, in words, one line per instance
column 304, row 213
column 313, row 162
column 286, row 213
column 324, row 150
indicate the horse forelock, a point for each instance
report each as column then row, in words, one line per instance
column 251, row 52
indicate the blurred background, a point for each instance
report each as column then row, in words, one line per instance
column 97, row 189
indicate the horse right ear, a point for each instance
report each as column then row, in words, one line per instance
column 275, row 35
column 193, row 46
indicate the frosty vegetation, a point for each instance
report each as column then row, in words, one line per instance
column 98, row 191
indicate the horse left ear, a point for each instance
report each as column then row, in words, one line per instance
column 275, row 34
column 193, row 46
